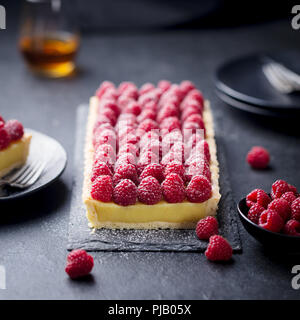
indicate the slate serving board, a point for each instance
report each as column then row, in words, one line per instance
column 83, row 237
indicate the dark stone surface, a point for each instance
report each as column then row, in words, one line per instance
column 33, row 231
column 81, row 237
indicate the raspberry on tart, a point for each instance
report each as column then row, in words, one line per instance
column 138, row 149
column 207, row 227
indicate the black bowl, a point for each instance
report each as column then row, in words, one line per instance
column 272, row 240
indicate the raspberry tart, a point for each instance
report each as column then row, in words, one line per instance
column 150, row 157
column 14, row 146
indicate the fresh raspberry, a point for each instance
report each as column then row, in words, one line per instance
column 186, row 86
column 79, row 264
column 168, row 110
column 258, row 196
column 108, row 149
column 147, row 98
column 147, row 114
column 173, row 188
column 131, row 92
column 254, row 213
column 164, row 85
column 153, row 170
column 170, row 157
column 149, row 191
column 103, row 137
column 207, row 227
column 125, row 158
column 199, row 189
column 196, row 95
column 1, row 124
column 282, row 207
column 4, row 138
column 134, row 108
column 293, row 189
column 104, row 87
column 148, row 125
column 202, row 147
column 199, row 166
column 190, row 127
column 147, row 87
column 124, row 101
column 169, row 124
column 15, row 129
column 258, row 158
column 271, row 220
column 102, row 188
column 125, row 193
column 152, row 146
column 174, row 167
column 146, row 158
column 218, row 249
column 289, row 197
column 295, row 208
column 195, row 118
column 100, row 169
column 189, row 111
column 127, row 171
column 129, row 148
column 125, row 85
column 110, row 104
column 279, row 187
column 292, row 228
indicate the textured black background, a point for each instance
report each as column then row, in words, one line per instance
column 33, row 232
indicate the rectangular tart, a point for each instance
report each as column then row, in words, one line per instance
column 183, row 215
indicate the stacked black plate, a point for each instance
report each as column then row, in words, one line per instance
column 242, row 84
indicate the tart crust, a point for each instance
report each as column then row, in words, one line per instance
column 163, row 215
column 15, row 155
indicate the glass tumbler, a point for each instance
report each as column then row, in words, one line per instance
column 49, row 37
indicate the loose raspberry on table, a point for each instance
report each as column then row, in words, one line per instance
column 149, row 191
column 125, row 193
column 288, row 196
column 173, row 188
column 175, row 167
column 102, row 188
column 292, row 228
column 295, row 209
column 14, row 129
column 4, row 138
column 199, row 189
column 258, row 157
column 279, row 187
column 153, row 170
column 218, row 249
column 207, row 227
column 282, row 207
column 258, row 196
column 100, row 169
column 127, row 171
column 254, row 212
column 79, row 264
column 271, row 220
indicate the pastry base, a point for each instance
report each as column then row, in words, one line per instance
column 15, row 155
column 163, row 215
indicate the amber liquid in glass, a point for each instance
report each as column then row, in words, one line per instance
column 51, row 55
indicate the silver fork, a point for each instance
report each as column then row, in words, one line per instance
column 281, row 78
column 26, row 176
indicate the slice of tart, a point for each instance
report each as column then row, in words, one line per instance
column 150, row 157
column 14, row 146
